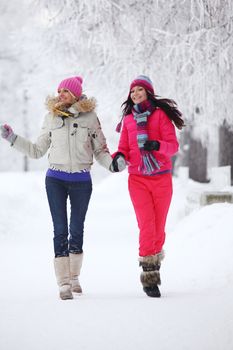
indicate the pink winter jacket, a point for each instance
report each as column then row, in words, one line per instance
column 160, row 128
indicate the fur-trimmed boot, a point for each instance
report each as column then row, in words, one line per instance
column 62, row 272
column 75, row 268
column 150, row 276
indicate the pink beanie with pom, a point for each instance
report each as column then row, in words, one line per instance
column 74, row 85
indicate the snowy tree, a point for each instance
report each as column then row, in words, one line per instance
column 184, row 46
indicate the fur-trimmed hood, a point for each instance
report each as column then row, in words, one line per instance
column 84, row 105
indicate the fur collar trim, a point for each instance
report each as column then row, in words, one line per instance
column 83, row 105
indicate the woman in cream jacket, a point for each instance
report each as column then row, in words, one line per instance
column 72, row 135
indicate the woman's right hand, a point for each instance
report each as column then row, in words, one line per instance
column 118, row 163
column 7, row 133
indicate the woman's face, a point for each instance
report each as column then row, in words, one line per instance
column 138, row 94
column 65, row 97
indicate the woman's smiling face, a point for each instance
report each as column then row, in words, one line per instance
column 66, row 97
column 138, row 94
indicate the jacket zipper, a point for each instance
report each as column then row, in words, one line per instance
column 69, row 142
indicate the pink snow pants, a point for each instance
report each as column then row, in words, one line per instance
column 151, row 198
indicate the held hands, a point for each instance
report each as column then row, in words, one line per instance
column 151, row 146
column 7, row 133
column 118, row 163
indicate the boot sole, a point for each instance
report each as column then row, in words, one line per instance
column 152, row 293
column 77, row 291
column 66, row 296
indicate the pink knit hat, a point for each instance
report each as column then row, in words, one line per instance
column 74, row 85
column 144, row 81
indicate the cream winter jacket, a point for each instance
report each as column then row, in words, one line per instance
column 71, row 141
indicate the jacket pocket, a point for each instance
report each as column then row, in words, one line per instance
column 58, row 155
column 83, row 149
column 59, row 150
column 82, row 132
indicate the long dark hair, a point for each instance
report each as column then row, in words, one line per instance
column 167, row 105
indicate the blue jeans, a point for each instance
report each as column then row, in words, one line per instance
column 68, row 240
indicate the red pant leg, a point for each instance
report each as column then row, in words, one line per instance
column 151, row 197
column 161, row 189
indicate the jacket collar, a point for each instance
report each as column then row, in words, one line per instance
column 83, row 105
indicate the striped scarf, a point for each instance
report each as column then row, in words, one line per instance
column 141, row 112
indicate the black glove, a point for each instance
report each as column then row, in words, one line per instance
column 118, row 163
column 151, row 146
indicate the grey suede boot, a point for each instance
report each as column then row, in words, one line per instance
column 150, row 276
column 75, row 268
column 62, row 272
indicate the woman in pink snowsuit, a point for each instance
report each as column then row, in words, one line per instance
column 147, row 143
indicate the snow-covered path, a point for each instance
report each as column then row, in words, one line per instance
column 195, row 312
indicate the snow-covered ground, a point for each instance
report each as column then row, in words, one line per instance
column 196, row 308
